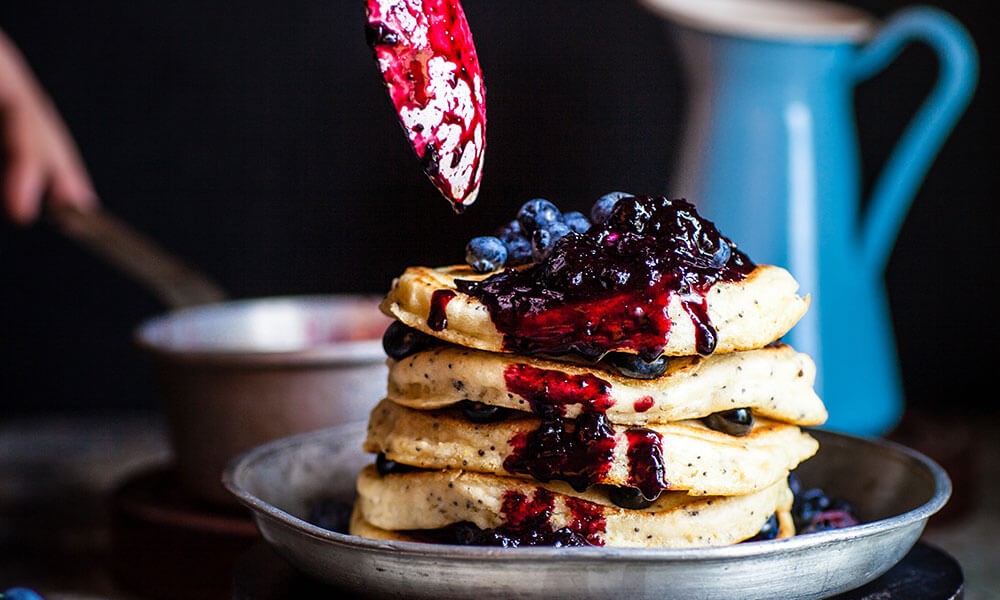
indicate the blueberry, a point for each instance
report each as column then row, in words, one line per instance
column 807, row 505
column 814, row 510
column 565, row 537
column 736, row 422
column 477, row 412
column 518, row 252
column 485, row 253
column 543, row 240
column 538, row 214
column 629, row 498
column 401, row 340
column 576, row 221
column 386, row 466
column 631, row 365
column 466, row 533
column 331, row 514
column 605, row 204
column 509, row 231
column 615, row 276
column 769, row 531
column 632, row 214
column 721, row 256
column 794, row 484
column 517, row 242
column 494, row 537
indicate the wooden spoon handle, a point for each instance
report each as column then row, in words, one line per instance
column 138, row 256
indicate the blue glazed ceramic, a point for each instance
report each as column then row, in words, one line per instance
column 771, row 155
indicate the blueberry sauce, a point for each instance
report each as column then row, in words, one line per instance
column 528, row 522
column 645, row 460
column 557, row 388
column 431, row 69
column 643, row 404
column 578, row 451
column 587, row 521
column 531, row 520
column 608, row 289
column 437, row 319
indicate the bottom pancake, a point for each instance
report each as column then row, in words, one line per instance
column 411, row 505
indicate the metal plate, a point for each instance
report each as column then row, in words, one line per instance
column 894, row 489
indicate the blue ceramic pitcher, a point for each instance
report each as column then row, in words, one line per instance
column 770, row 154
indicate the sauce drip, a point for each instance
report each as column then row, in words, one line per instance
column 645, row 462
column 437, row 318
column 528, row 522
column 608, row 289
column 643, row 404
column 428, row 61
column 578, row 451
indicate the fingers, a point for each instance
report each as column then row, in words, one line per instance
column 72, row 187
column 40, row 154
column 68, row 182
column 42, row 160
column 23, row 183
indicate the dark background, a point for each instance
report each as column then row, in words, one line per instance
column 254, row 140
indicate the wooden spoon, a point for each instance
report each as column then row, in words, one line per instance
column 138, row 256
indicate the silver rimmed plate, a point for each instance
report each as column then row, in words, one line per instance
column 894, row 489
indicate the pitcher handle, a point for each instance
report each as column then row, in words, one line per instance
column 909, row 161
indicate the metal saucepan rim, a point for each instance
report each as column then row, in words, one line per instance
column 347, row 352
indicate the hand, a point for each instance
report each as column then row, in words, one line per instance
column 40, row 156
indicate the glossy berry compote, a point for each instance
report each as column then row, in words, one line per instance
column 608, row 289
column 578, row 451
column 528, row 521
column 428, row 61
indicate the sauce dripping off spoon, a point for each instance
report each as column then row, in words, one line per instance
column 429, row 64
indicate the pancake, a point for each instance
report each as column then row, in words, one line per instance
column 746, row 315
column 360, row 527
column 431, row 500
column 694, row 458
column 775, row 382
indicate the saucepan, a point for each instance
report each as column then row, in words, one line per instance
column 233, row 374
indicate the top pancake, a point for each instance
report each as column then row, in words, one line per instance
column 747, row 314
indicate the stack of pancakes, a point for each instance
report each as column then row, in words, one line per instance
column 477, row 444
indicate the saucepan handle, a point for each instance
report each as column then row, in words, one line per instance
column 921, row 141
column 137, row 255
